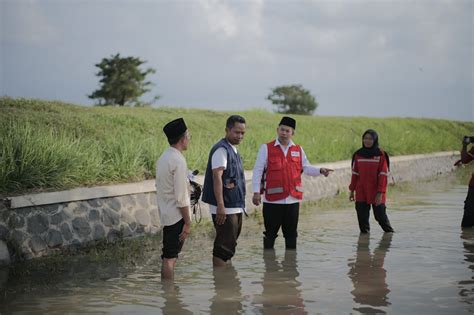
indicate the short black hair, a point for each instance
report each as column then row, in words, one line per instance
column 175, row 140
column 234, row 119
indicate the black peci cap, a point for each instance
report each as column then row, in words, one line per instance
column 175, row 128
column 288, row 121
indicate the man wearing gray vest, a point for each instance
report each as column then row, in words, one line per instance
column 224, row 190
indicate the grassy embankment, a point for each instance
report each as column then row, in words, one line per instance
column 52, row 145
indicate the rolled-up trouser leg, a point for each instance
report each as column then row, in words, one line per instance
column 363, row 209
column 380, row 214
column 468, row 216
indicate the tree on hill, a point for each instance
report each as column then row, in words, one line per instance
column 122, row 81
column 293, row 99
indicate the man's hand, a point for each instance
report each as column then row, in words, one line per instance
column 256, row 199
column 220, row 215
column 378, row 199
column 325, row 171
column 185, row 232
column 351, row 196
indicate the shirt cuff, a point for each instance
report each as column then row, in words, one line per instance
column 311, row 170
column 182, row 204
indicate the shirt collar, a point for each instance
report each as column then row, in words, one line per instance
column 290, row 144
column 173, row 149
column 232, row 146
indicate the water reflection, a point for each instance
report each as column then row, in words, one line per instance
column 467, row 286
column 281, row 290
column 228, row 296
column 368, row 275
column 173, row 303
column 430, row 262
column 46, row 277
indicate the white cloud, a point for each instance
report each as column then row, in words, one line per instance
column 220, row 18
column 232, row 19
column 236, row 27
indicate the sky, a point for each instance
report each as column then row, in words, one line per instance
column 357, row 58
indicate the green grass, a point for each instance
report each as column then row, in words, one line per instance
column 47, row 145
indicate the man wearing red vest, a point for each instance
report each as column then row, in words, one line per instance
column 279, row 166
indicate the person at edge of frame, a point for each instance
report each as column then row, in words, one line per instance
column 277, row 175
column 370, row 171
column 172, row 191
column 224, row 190
column 467, row 157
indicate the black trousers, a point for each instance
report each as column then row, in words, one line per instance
column 284, row 216
column 171, row 244
column 468, row 217
column 380, row 213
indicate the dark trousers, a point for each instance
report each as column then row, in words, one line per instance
column 171, row 244
column 284, row 216
column 380, row 213
column 227, row 234
column 468, row 217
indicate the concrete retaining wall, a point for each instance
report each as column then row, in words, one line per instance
column 39, row 224
column 39, row 230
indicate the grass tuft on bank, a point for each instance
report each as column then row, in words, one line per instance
column 48, row 145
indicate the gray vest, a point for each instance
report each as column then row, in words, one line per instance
column 234, row 173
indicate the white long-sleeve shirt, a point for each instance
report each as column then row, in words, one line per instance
column 172, row 186
column 261, row 165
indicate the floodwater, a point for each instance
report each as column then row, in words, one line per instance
column 425, row 267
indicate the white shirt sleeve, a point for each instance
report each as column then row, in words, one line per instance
column 260, row 165
column 219, row 158
column 180, row 184
column 309, row 169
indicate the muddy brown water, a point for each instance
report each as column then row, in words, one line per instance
column 425, row 267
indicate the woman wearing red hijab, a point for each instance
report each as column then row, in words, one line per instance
column 369, row 182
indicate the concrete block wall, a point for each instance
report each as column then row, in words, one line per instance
column 40, row 230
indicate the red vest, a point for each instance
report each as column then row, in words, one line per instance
column 369, row 176
column 283, row 174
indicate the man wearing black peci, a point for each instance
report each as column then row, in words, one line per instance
column 279, row 166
